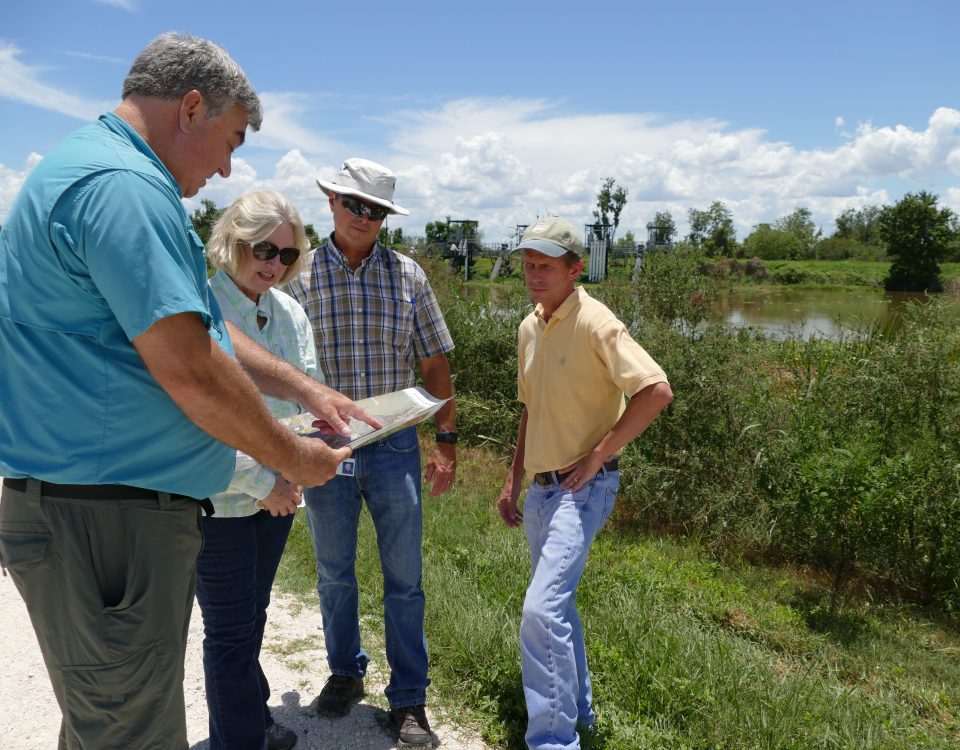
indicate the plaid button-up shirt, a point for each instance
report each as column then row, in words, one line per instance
column 287, row 334
column 370, row 325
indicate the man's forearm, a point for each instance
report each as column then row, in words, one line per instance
column 280, row 379
column 272, row 375
column 515, row 477
column 435, row 372
column 215, row 393
column 642, row 409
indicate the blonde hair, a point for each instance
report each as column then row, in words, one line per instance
column 250, row 219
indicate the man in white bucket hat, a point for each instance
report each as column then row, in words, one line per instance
column 375, row 318
column 576, row 363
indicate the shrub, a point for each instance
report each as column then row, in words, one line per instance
column 842, row 454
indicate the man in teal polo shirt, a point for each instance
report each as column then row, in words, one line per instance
column 122, row 394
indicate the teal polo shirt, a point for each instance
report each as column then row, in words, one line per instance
column 96, row 249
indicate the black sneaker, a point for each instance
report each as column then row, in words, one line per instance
column 338, row 696
column 413, row 729
column 280, row 738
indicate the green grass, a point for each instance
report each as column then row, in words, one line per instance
column 685, row 652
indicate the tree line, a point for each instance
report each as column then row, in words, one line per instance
column 915, row 234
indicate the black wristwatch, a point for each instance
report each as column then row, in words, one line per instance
column 446, row 437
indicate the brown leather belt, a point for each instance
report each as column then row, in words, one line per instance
column 544, row 478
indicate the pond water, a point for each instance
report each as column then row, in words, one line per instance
column 804, row 313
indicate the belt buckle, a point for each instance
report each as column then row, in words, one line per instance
column 545, row 478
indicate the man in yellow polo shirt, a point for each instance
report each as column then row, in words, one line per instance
column 576, row 363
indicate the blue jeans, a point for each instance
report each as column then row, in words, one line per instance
column 560, row 527
column 235, row 574
column 387, row 478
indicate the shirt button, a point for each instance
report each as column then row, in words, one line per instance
column 363, row 374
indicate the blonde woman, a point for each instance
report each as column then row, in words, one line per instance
column 257, row 244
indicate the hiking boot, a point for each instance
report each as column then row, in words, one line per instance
column 413, row 729
column 338, row 696
column 280, row 738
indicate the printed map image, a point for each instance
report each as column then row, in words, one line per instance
column 394, row 410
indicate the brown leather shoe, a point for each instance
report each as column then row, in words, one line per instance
column 413, row 728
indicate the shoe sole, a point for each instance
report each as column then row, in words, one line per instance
column 327, row 712
column 434, row 741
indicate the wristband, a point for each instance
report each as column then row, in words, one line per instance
column 446, row 437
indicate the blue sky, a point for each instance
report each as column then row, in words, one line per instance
column 504, row 111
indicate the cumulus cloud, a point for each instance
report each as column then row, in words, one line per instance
column 510, row 160
column 507, row 161
column 23, row 83
column 11, row 181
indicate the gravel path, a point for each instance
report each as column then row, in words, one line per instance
column 293, row 660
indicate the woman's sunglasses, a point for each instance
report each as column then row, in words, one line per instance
column 361, row 209
column 267, row 251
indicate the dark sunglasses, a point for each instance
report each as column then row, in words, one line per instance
column 267, row 251
column 361, row 209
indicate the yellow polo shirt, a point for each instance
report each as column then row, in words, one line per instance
column 573, row 373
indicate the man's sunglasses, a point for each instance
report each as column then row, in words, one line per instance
column 361, row 209
column 267, row 251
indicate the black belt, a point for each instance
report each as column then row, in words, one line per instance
column 101, row 492
column 543, row 478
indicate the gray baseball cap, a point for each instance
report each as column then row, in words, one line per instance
column 552, row 236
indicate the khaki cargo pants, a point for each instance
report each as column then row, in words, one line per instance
column 109, row 586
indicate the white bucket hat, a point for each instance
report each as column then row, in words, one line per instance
column 365, row 179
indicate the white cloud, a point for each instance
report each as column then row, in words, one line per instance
column 96, row 58
column 510, row 160
column 23, row 83
column 11, row 181
column 284, row 115
column 128, row 5
column 507, row 161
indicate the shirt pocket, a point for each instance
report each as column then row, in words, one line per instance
column 397, row 316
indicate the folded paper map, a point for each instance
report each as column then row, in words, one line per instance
column 395, row 411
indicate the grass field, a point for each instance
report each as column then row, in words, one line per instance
column 686, row 652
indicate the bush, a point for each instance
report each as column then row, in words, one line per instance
column 841, row 454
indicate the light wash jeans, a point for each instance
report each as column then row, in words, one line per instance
column 560, row 527
column 387, row 478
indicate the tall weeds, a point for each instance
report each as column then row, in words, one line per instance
column 840, row 453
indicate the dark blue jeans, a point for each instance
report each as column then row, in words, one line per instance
column 235, row 574
column 387, row 479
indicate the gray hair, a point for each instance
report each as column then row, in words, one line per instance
column 250, row 219
column 175, row 63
